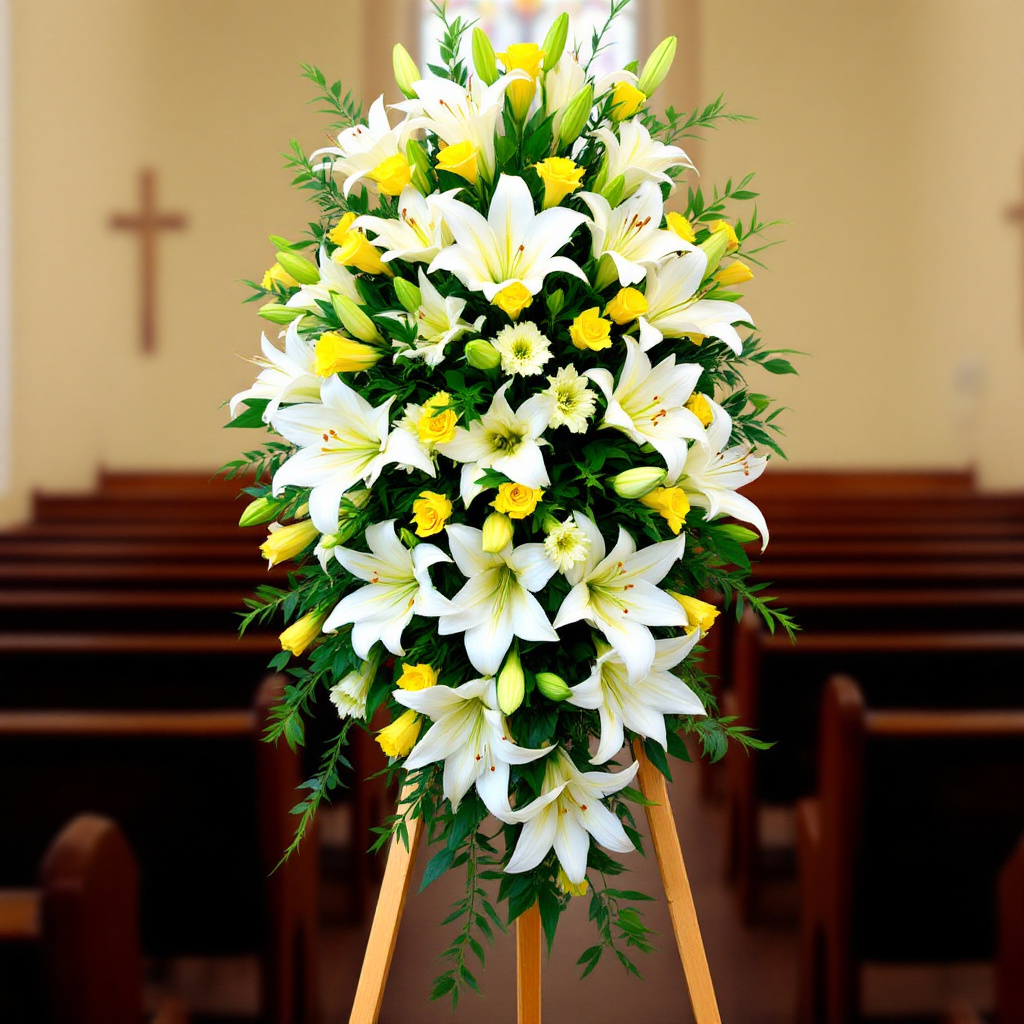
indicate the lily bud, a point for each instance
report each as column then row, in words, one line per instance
column 511, row 683
column 408, row 294
column 406, row 71
column 278, row 314
column 419, row 162
column 613, row 190
column 554, row 41
column 482, row 355
column 302, row 632
column 497, row 533
column 636, row 483
column 549, row 523
column 556, row 301
column 552, row 686
column 657, row 66
column 262, row 510
column 577, row 113
column 304, row 271
column 483, row 57
column 714, row 247
column 407, row 538
column 356, row 322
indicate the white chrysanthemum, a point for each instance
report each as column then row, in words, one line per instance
column 574, row 402
column 523, row 349
column 567, row 545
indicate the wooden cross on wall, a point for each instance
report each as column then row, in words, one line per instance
column 148, row 222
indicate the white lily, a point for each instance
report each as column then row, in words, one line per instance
column 472, row 738
column 713, row 473
column 399, row 587
column 287, row 376
column 673, row 312
column 438, row 323
column 572, row 813
column 514, row 244
column 363, row 147
column 639, row 706
column 333, row 278
column 618, row 594
column 503, row 440
column 630, row 235
column 341, row 442
column 497, row 603
column 648, row 404
column 417, row 235
column 637, row 157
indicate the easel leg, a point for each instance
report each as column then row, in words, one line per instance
column 528, row 960
column 384, row 931
column 677, row 891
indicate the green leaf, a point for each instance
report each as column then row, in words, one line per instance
column 437, row 866
column 252, row 417
column 656, row 755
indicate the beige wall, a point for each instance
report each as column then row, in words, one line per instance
column 890, row 136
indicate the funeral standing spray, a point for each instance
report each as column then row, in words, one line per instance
column 510, row 426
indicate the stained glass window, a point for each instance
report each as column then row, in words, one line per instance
column 520, row 21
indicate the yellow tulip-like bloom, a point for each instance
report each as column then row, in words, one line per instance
column 460, row 159
column 337, row 354
column 398, row 738
column 561, row 176
column 591, row 330
column 302, row 632
column 681, row 226
column 340, row 230
column 430, row 511
column 627, row 99
column 278, row 275
column 627, row 306
column 698, row 405
column 354, row 249
column 735, row 273
column 699, row 613
column 671, row 503
column 497, row 533
column 526, row 57
column 733, row 243
column 417, row 677
column 392, row 175
column 517, row 501
column 288, row 541
column 513, row 299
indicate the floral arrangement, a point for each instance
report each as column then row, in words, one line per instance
column 510, row 422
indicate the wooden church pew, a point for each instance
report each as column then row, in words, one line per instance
column 1010, row 956
column 876, row 548
column 139, row 575
column 900, row 851
column 206, row 806
column 240, row 549
column 882, row 574
column 818, row 484
column 114, row 508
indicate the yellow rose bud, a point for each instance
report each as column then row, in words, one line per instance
column 497, row 533
column 278, row 275
column 392, row 175
column 735, row 273
column 354, row 250
column 517, row 501
column 698, row 405
column 522, row 57
column 513, row 299
column 681, row 226
column 561, row 176
column 337, row 354
column 302, row 632
column 430, row 511
column 733, row 243
column 398, row 738
column 342, row 228
column 627, row 306
column 627, row 99
column 569, row 887
column 671, row 503
column 635, row 483
column 288, row 541
column 460, row 159
column 511, row 688
column 417, row 677
column 591, row 330
column 699, row 614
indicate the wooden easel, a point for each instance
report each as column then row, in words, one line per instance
column 395, row 887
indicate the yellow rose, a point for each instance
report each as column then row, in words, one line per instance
column 278, row 275
column 460, row 159
column 627, row 99
column 732, row 242
column 513, row 299
column 417, row 677
column 560, row 176
column 517, row 501
column 288, row 541
column 522, row 57
column 671, row 503
column 591, row 330
column 735, row 273
column 430, row 511
column 699, row 613
column 627, row 306
column 302, row 632
column 338, row 354
column 392, row 175
column 681, row 226
column 698, row 405
column 398, row 738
